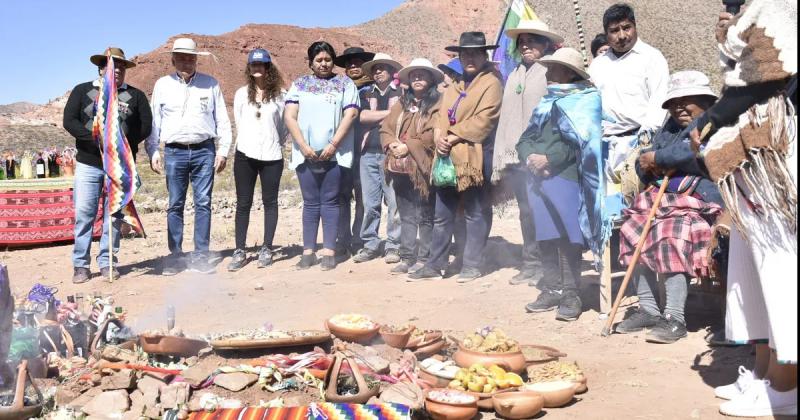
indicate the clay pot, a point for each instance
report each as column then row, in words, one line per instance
column 397, row 340
column 518, row 405
column 171, row 345
column 434, row 380
column 350, row 334
column 18, row 410
column 581, row 385
column 510, row 362
column 425, row 340
column 430, row 349
column 485, row 400
column 449, row 411
column 555, row 393
column 332, row 378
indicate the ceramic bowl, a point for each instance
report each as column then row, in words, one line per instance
column 171, row 345
column 398, row 339
column 430, row 349
column 424, row 340
column 433, row 379
column 581, row 384
column 518, row 405
column 350, row 334
column 510, row 362
column 485, row 400
column 450, row 411
column 555, row 393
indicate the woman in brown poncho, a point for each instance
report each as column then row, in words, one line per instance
column 407, row 137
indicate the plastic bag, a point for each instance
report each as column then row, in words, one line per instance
column 444, row 173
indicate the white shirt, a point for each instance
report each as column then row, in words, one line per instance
column 259, row 138
column 189, row 113
column 633, row 88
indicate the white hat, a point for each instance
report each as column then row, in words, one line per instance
column 536, row 27
column 421, row 64
column 568, row 57
column 380, row 58
column 187, row 46
column 688, row 83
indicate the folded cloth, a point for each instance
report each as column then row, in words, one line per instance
column 323, row 411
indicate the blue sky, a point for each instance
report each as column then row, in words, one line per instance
column 46, row 44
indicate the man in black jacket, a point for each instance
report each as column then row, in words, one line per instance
column 136, row 121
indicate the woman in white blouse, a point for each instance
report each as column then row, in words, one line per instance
column 260, row 135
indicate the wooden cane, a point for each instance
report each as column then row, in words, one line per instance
column 632, row 265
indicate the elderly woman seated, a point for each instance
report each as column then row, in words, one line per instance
column 676, row 245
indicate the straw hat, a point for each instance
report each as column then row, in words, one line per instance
column 380, row 58
column 688, row 83
column 421, row 64
column 117, row 54
column 187, row 46
column 471, row 40
column 568, row 57
column 536, row 27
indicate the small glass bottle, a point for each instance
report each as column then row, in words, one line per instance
column 170, row 317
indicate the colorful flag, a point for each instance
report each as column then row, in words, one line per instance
column 122, row 178
column 506, row 54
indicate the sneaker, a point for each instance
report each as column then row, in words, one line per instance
column 104, row 273
column 392, row 256
column 238, row 260
column 546, row 301
column 667, row 331
column 264, row 257
column 638, row 321
column 761, row 400
column 736, row 389
column 716, row 338
column 401, row 268
column 468, row 274
column 570, row 307
column 81, row 275
column 201, row 265
column 172, row 266
column 424, row 274
column 328, row 263
column 523, row 277
column 365, row 255
column 307, row 261
column 416, row 267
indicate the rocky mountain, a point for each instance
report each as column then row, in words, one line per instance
column 682, row 30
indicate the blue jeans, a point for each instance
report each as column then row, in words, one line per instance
column 183, row 166
column 477, row 214
column 320, row 201
column 349, row 236
column 86, row 197
column 375, row 189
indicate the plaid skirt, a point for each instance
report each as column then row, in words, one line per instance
column 679, row 236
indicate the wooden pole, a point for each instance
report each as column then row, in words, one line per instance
column 632, row 265
column 581, row 36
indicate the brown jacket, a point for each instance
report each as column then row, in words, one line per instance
column 418, row 131
column 476, row 121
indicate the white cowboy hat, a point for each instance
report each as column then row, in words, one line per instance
column 380, row 58
column 187, row 46
column 688, row 83
column 536, row 27
column 568, row 57
column 421, row 64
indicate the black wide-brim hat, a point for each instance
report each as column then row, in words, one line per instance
column 353, row 53
column 471, row 40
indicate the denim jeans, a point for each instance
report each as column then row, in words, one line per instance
column 183, row 166
column 86, row 197
column 416, row 216
column 375, row 189
column 676, row 286
column 477, row 215
column 349, row 236
column 320, row 201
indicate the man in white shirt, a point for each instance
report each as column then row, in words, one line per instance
column 188, row 116
column 632, row 77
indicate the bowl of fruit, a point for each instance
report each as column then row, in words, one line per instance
column 483, row 382
column 490, row 346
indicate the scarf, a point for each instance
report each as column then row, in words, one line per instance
column 418, row 133
column 576, row 111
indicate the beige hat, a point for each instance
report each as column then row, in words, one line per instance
column 380, row 58
column 116, row 54
column 187, row 46
column 421, row 64
column 568, row 57
column 536, row 27
column 688, row 83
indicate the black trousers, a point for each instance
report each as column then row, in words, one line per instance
column 245, row 172
column 416, row 217
column 561, row 265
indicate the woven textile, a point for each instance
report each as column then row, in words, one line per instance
column 325, row 411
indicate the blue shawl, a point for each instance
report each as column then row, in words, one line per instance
column 575, row 110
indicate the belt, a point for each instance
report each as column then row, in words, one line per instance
column 192, row 146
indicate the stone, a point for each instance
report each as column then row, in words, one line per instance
column 119, row 380
column 107, row 404
column 236, row 381
column 163, row 377
column 152, row 412
column 174, row 395
column 198, row 373
column 149, row 385
column 137, row 401
column 84, row 399
column 115, row 354
column 65, row 396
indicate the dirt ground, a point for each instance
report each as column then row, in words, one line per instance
column 628, row 378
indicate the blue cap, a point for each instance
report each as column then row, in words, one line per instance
column 259, row 55
column 453, row 66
